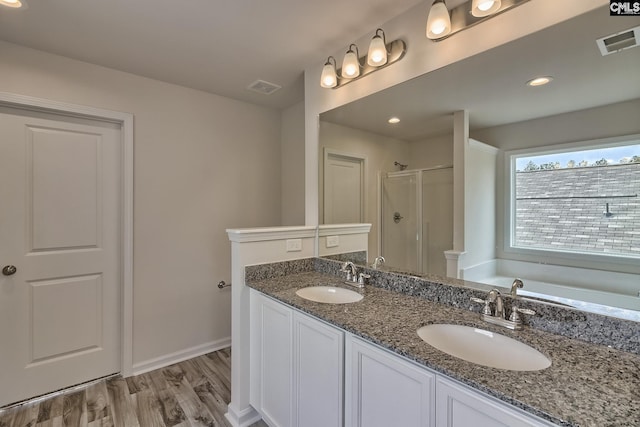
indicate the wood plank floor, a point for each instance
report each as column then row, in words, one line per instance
column 191, row 393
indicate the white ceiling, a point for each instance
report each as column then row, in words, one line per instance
column 219, row 46
column 491, row 85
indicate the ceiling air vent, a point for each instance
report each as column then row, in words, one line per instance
column 619, row 41
column 263, row 87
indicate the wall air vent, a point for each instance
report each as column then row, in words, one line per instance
column 263, row 87
column 619, row 41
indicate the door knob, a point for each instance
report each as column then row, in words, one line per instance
column 9, row 270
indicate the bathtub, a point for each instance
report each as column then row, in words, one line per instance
column 565, row 285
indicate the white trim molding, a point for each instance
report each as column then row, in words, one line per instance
column 180, row 356
column 270, row 233
column 333, row 229
column 125, row 120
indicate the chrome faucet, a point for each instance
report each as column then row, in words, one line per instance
column 353, row 278
column 517, row 283
column 497, row 316
column 378, row 262
column 351, row 270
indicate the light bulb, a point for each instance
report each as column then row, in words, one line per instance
column 350, row 64
column 439, row 21
column 11, row 3
column 329, row 79
column 438, row 27
column 480, row 8
column 377, row 51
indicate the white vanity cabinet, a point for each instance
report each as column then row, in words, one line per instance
column 385, row 390
column 303, row 370
column 296, row 366
column 460, row 406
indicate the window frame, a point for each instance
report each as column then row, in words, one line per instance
column 614, row 262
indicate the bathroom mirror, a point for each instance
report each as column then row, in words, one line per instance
column 591, row 96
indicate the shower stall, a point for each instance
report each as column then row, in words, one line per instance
column 416, row 217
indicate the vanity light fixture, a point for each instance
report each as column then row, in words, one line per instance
column 539, row 81
column 443, row 23
column 11, row 3
column 380, row 54
column 438, row 21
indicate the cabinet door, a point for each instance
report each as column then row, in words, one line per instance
column 318, row 373
column 458, row 406
column 384, row 390
column 272, row 356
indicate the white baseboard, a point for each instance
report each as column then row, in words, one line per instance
column 179, row 356
column 243, row 418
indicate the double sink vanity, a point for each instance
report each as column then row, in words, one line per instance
column 465, row 342
column 408, row 351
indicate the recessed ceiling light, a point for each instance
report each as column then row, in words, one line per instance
column 11, row 3
column 539, row 81
column 394, row 120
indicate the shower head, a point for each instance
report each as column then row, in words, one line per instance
column 400, row 165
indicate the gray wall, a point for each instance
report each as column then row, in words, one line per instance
column 601, row 122
column 292, row 167
column 203, row 163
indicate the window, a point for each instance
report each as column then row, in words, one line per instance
column 579, row 200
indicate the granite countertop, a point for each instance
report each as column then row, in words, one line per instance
column 586, row 385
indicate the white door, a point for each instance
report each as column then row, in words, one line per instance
column 343, row 189
column 60, row 227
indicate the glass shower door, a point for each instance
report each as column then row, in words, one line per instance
column 437, row 219
column 400, row 237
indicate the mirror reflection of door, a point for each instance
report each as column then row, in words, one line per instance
column 343, row 188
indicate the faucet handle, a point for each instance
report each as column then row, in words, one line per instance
column 362, row 277
column 515, row 313
column 487, row 308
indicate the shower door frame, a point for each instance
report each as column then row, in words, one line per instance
column 418, row 173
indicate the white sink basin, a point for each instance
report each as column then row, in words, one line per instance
column 483, row 347
column 329, row 294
